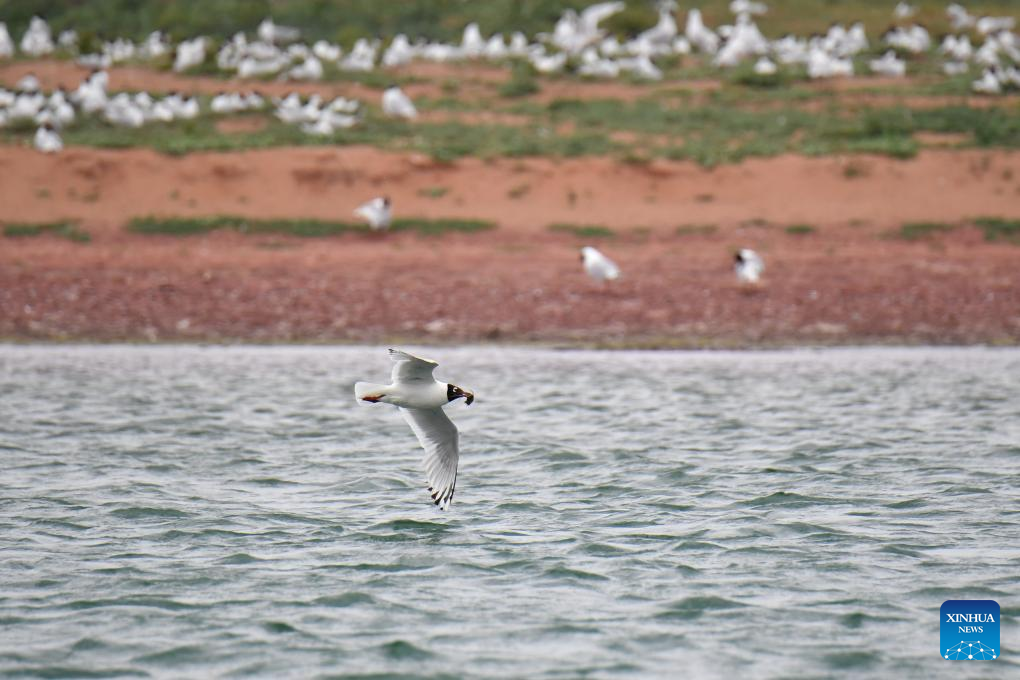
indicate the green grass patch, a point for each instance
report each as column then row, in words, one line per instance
column 181, row 226
column 522, row 82
column 436, row 227
column 309, row 228
column 916, row 231
column 305, row 228
column 63, row 229
column 443, row 141
column 582, row 230
column 696, row 230
column 999, row 229
column 724, row 126
column 800, row 229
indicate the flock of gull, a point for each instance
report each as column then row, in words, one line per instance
column 578, row 43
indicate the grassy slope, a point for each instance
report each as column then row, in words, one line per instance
column 726, row 127
column 745, row 118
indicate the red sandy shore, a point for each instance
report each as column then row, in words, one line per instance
column 676, row 227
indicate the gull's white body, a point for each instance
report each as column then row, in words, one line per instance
column 904, row 10
column 376, row 212
column 411, row 394
column 749, row 267
column 6, row 44
column 889, row 65
column 765, row 67
column 28, row 83
column 396, row 104
column 598, row 266
column 48, row 140
column 420, row 398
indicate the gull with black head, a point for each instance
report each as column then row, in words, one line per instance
column 378, row 213
column 420, row 399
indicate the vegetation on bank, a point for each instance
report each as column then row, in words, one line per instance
column 917, row 231
column 306, row 228
column 999, row 229
column 739, row 116
column 709, row 133
column 582, row 230
column 64, row 229
column 994, row 229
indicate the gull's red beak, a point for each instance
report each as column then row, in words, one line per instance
column 469, row 397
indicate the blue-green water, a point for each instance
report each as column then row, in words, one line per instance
column 231, row 512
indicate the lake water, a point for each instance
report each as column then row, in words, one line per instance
column 231, row 512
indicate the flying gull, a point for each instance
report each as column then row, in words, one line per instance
column 420, row 399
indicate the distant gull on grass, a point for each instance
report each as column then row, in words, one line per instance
column 420, row 399
column 377, row 213
column 396, row 104
column 48, row 140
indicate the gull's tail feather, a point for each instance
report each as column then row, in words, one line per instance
column 366, row 391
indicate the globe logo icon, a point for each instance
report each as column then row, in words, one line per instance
column 969, row 651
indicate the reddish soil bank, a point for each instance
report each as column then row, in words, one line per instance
column 675, row 227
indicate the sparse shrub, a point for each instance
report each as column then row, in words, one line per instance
column 997, row 228
column 307, row 228
column 583, row 230
column 916, row 231
column 696, row 230
column 854, row 169
column 433, row 192
column 518, row 191
column 435, row 227
column 64, row 229
column 522, row 81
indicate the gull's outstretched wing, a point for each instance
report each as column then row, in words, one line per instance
column 409, row 368
column 438, row 436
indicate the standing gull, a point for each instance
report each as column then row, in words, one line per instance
column 598, row 266
column 377, row 212
column 396, row 104
column 47, row 139
column 420, row 398
column 748, row 265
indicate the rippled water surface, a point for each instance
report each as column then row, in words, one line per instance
column 231, row 512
